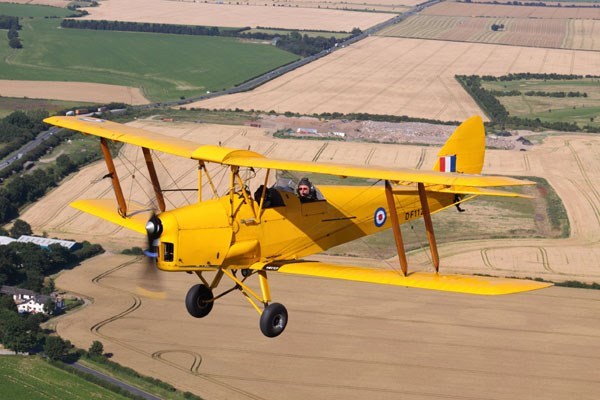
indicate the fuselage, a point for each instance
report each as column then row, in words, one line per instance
column 232, row 231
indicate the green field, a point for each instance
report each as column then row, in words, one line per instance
column 166, row 67
column 32, row 378
column 337, row 35
column 33, row 11
column 580, row 110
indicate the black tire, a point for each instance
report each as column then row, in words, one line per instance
column 246, row 272
column 198, row 301
column 273, row 320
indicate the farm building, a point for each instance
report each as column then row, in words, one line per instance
column 306, row 131
column 45, row 242
column 6, row 240
column 28, row 301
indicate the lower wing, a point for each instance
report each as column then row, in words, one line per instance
column 482, row 285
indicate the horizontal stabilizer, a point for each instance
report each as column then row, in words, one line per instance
column 481, row 285
column 477, row 191
column 107, row 209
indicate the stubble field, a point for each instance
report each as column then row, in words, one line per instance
column 578, row 34
column 396, row 76
column 234, row 15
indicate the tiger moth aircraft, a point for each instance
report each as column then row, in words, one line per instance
column 273, row 229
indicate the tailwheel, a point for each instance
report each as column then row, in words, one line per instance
column 273, row 320
column 199, row 301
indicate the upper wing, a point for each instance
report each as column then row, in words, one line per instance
column 482, row 285
column 245, row 158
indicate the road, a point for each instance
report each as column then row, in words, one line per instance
column 116, row 382
column 18, row 154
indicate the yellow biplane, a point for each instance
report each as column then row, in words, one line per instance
column 271, row 230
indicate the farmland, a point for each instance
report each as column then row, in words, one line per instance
column 235, row 15
column 33, row 378
column 581, row 110
column 551, row 33
column 398, row 76
column 137, row 60
column 453, row 9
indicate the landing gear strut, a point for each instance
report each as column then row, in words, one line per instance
column 273, row 317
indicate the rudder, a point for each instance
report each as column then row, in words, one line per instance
column 465, row 148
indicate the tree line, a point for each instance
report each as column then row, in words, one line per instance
column 294, row 42
column 12, row 25
column 19, row 189
column 26, row 265
column 537, row 93
column 532, row 75
column 19, row 128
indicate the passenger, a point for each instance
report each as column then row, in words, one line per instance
column 306, row 191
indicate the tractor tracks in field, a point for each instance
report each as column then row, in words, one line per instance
column 588, row 191
column 542, row 257
column 320, row 151
column 421, row 159
column 157, row 355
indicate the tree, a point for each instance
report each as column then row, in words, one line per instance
column 96, row 349
column 15, row 43
column 7, row 210
column 7, row 303
column 56, row 348
column 64, row 165
column 20, row 228
column 48, row 288
column 17, row 336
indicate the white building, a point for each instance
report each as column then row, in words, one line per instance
column 28, row 301
column 45, row 242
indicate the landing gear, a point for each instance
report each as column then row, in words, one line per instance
column 273, row 320
column 199, row 301
column 273, row 317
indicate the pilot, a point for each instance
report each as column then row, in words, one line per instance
column 306, row 191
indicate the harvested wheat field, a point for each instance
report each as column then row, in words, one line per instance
column 353, row 340
column 575, row 34
column 395, row 76
column 344, row 340
column 502, row 10
column 370, row 5
column 225, row 15
column 72, row 91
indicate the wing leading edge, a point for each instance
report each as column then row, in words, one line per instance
column 246, row 158
column 481, row 285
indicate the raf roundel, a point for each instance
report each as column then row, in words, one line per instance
column 380, row 217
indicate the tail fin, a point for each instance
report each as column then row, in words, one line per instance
column 465, row 147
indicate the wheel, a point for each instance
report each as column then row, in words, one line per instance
column 246, row 272
column 273, row 320
column 198, row 301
